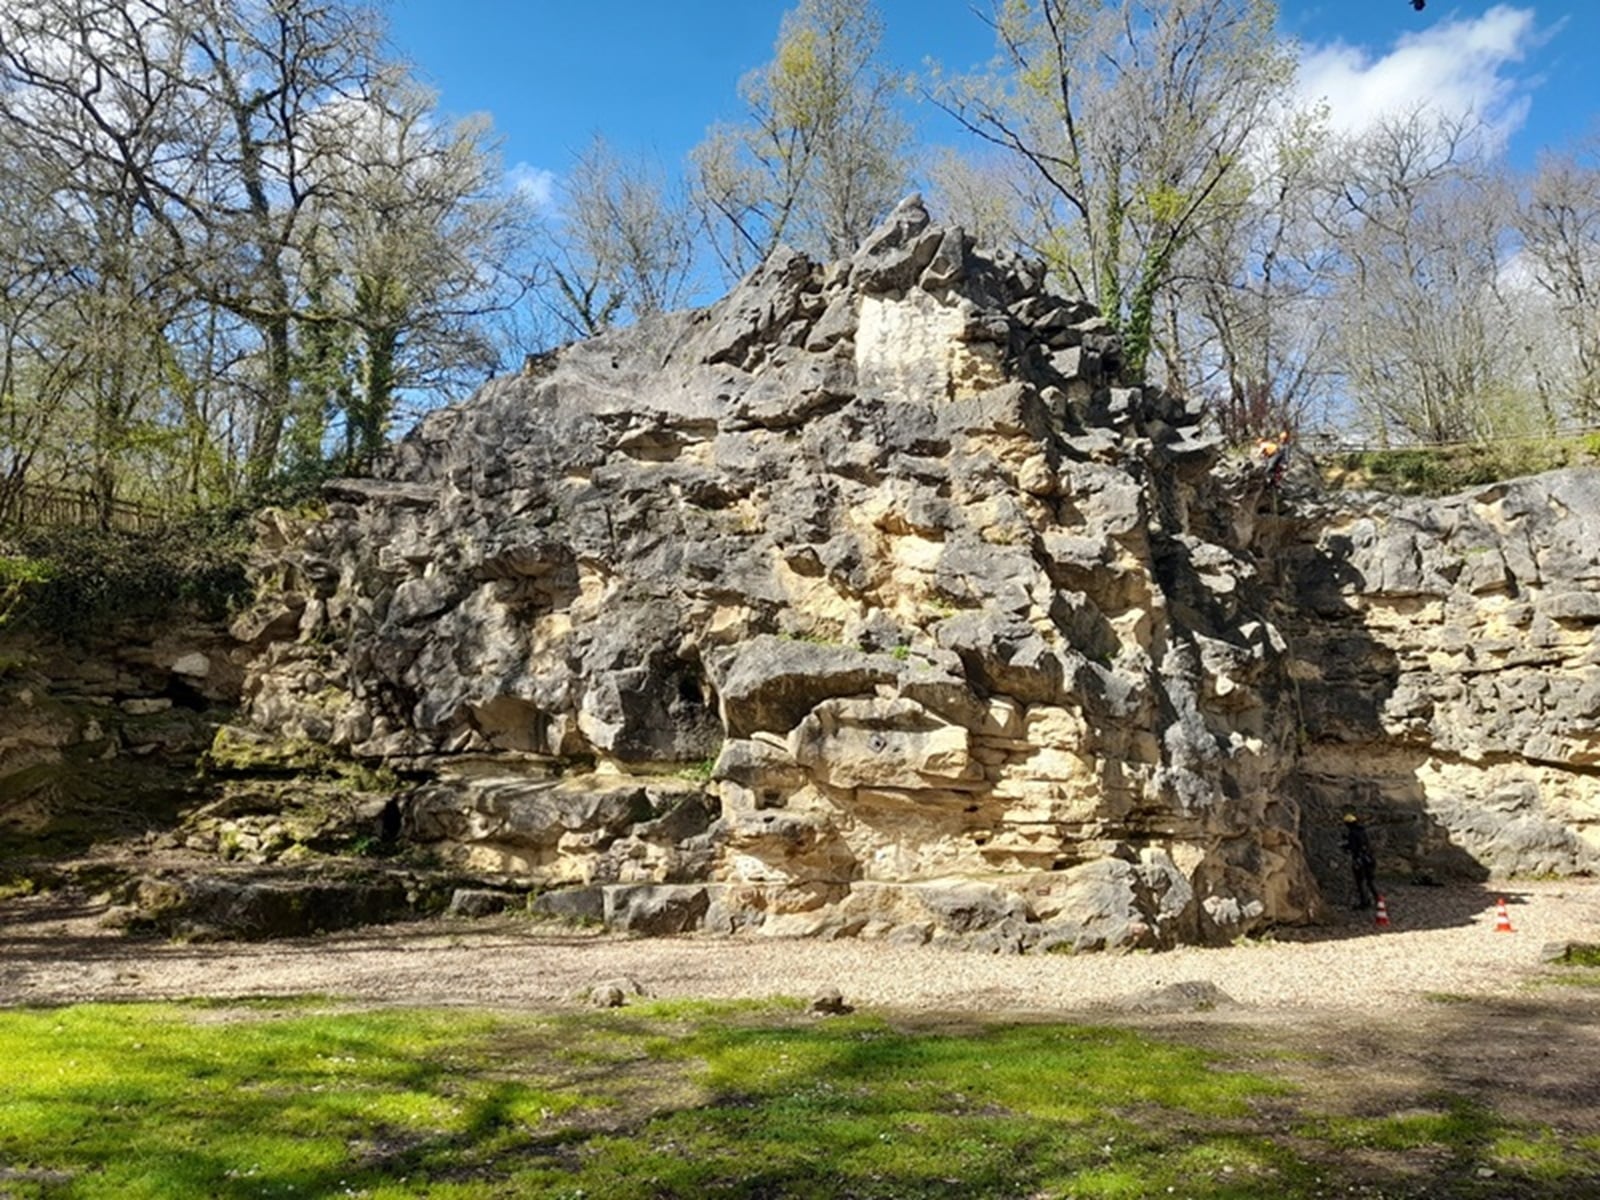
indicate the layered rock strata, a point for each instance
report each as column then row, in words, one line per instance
column 102, row 736
column 865, row 602
column 1447, row 673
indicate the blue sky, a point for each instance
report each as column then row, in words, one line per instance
column 652, row 76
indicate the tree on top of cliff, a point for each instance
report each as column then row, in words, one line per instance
column 622, row 247
column 821, row 155
column 1131, row 116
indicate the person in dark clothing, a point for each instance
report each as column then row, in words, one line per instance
column 1362, row 863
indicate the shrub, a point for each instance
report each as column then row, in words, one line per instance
column 1441, row 470
column 78, row 581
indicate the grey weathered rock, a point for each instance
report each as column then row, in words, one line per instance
column 609, row 992
column 829, row 1002
column 575, row 904
column 656, row 909
column 984, row 648
column 1566, row 952
column 1190, row 995
column 1449, row 677
column 480, row 902
column 256, row 907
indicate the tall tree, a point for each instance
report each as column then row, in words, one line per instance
column 258, row 76
column 417, row 243
column 621, row 246
column 1559, row 222
column 1132, row 115
column 1244, row 325
column 255, row 207
column 1422, row 219
column 821, row 155
column 86, row 111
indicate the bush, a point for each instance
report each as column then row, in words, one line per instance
column 77, row 581
column 1441, row 470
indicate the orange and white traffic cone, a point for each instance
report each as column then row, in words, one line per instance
column 1502, row 919
column 1382, row 919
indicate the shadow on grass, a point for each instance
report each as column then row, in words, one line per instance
column 752, row 1101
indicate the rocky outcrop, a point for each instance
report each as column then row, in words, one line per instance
column 1447, row 673
column 101, row 736
column 866, row 602
column 873, row 601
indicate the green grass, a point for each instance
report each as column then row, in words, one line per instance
column 1442, row 470
column 669, row 1100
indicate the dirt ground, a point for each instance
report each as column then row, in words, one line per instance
column 1378, row 1020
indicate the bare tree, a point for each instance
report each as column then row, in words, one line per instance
column 257, row 78
column 260, row 210
column 621, row 247
column 1559, row 221
column 39, row 359
column 1244, row 323
column 987, row 194
column 821, row 155
column 1422, row 220
column 85, row 108
column 1132, row 115
column 416, row 244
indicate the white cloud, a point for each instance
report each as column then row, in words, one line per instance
column 1455, row 67
column 537, row 185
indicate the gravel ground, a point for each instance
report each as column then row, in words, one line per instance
column 1441, row 942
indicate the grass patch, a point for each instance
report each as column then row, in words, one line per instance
column 82, row 581
column 1442, row 470
column 664, row 1100
column 1579, row 977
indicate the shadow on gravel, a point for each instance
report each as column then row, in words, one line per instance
column 1411, row 906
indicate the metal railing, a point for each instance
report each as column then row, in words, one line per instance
column 1324, row 442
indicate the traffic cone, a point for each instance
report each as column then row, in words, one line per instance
column 1382, row 919
column 1502, row 919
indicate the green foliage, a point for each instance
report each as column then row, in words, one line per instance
column 80, row 581
column 1441, row 470
column 12, row 885
column 20, row 570
column 699, row 772
column 234, row 752
column 19, row 575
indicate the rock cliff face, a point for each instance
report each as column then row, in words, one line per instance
column 101, row 737
column 869, row 602
column 1448, row 675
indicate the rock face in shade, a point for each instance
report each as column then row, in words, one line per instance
column 870, row 601
column 1445, row 654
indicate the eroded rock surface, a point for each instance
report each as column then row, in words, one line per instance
column 860, row 603
column 1445, row 657
column 872, row 601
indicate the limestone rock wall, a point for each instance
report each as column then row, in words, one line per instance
column 1447, row 674
column 868, row 601
column 102, row 735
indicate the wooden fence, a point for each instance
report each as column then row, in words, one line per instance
column 31, row 506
